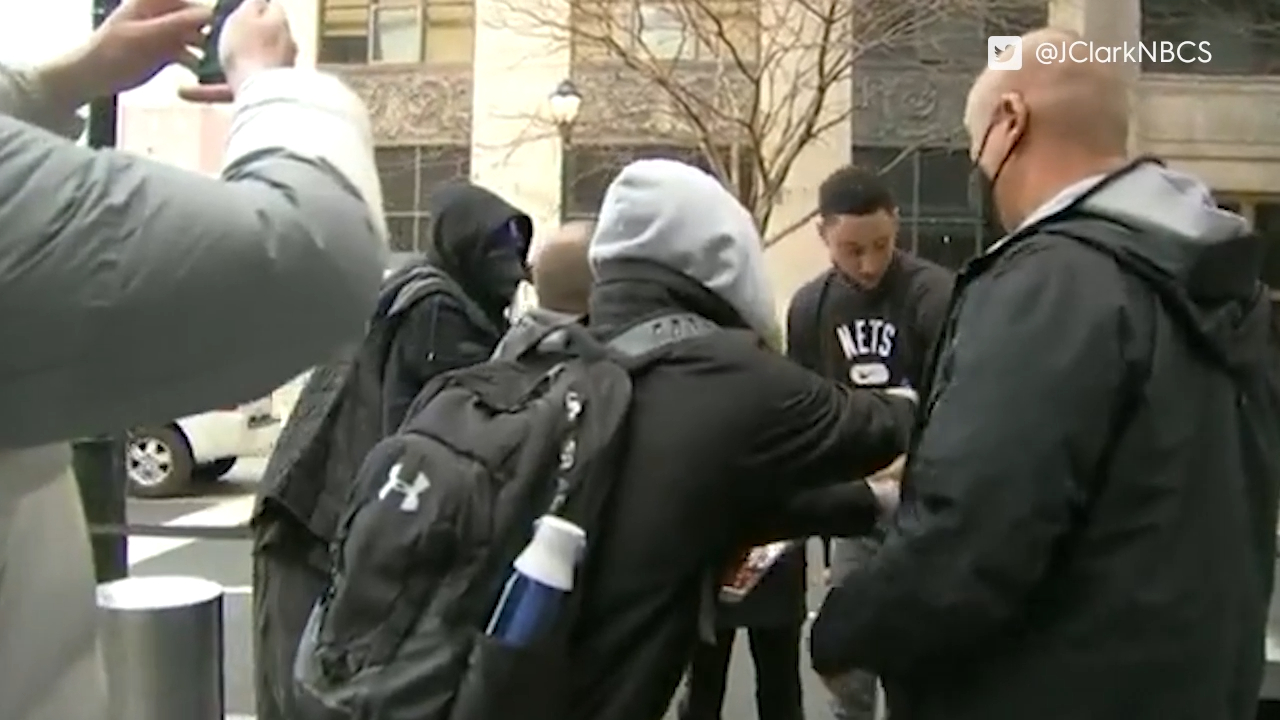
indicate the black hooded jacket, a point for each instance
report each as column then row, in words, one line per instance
column 729, row 444
column 436, row 314
column 1089, row 516
column 446, row 330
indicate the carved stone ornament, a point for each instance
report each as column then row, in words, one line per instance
column 414, row 104
column 623, row 106
column 900, row 106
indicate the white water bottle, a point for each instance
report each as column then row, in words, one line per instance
column 540, row 581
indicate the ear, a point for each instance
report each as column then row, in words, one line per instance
column 1014, row 108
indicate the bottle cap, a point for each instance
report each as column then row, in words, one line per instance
column 552, row 555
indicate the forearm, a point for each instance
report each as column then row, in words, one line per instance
column 848, row 509
column 47, row 96
column 172, row 292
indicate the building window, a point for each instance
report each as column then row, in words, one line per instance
column 944, row 182
column 950, row 243
column 409, row 175
column 396, row 31
column 590, row 169
column 938, row 34
column 1242, row 36
column 931, row 187
column 662, row 30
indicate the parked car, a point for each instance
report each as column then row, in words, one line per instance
column 170, row 460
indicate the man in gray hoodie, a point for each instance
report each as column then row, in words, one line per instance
column 728, row 443
column 131, row 291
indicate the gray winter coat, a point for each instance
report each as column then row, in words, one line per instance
column 134, row 292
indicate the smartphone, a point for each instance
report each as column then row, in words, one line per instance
column 210, row 69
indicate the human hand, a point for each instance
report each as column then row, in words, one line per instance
column 255, row 37
column 904, row 392
column 887, row 491
column 133, row 44
column 893, row 470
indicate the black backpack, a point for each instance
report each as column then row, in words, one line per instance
column 341, row 413
column 440, row 511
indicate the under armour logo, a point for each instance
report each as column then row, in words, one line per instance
column 412, row 491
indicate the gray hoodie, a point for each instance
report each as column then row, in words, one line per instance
column 678, row 216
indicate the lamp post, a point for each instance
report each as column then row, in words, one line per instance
column 99, row 462
column 564, row 104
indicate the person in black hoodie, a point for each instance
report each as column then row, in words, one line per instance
column 1088, row 519
column 728, row 444
column 870, row 320
column 443, row 311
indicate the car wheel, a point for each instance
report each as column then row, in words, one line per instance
column 216, row 469
column 158, row 463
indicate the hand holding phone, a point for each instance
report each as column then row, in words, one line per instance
column 246, row 37
column 209, row 72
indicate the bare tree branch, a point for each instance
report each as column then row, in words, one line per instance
column 752, row 85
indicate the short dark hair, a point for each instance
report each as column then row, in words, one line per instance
column 852, row 190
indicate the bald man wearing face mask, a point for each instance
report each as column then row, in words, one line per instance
column 1087, row 527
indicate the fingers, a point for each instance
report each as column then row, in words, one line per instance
column 206, row 94
column 188, row 60
column 187, row 23
column 903, row 392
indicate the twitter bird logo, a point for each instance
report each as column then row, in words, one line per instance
column 1004, row 52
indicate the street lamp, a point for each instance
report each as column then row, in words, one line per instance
column 564, row 105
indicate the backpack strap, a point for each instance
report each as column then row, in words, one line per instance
column 641, row 343
column 637, row 347
column 534, row 327
column 634, row 348
column 406, row 289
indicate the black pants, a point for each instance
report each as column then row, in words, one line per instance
column 775, row 652
column 856, row 692
column 284, row 590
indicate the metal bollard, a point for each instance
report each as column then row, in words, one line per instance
column 162, row 642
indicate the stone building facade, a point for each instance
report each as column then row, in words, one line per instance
column 459, row 88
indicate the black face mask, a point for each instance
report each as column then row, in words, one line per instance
column 982, row 189
column 503, row 266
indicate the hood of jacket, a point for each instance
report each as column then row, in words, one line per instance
column 675, row 216
column 463, row 219
column 1202, row 261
